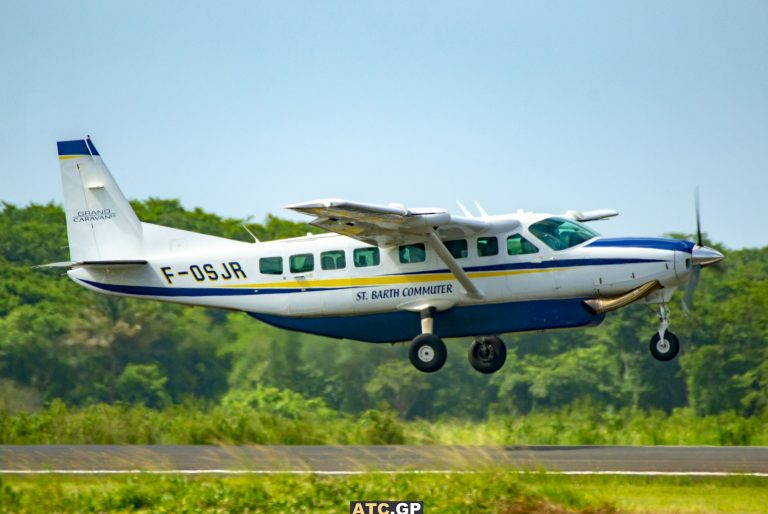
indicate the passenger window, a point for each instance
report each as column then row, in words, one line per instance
column 366, row 257
column 333, row 260
column 487, row 246
column 518, row 245
column 302, row 263
column 410, row 254
column 458, row 248
column 271, row 265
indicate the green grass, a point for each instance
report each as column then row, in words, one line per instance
column 239, row 423
column 487, row 491
column 574, row 426
column 733, row 495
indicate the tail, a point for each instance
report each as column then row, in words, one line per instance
column 101, row 225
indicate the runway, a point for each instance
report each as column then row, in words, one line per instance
column 633, row 460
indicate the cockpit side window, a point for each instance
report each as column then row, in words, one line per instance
column 559, row 233
column 518, row 245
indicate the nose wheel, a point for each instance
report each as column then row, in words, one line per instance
column 666, row 348
column 664, row 344
column 487, row 354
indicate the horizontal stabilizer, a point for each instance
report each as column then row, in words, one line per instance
column 100, row 264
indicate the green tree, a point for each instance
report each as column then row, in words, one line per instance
column 142, row 384
column 399, row 384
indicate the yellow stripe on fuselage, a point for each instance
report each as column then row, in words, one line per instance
column 62, row 157
column 386, row 280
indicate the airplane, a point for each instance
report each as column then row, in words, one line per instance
column 382, row 273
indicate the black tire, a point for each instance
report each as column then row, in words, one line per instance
column 427, row 353
column 487, row 354
column 667, row 349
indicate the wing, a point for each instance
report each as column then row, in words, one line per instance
column 388, row 225
column 395, row 225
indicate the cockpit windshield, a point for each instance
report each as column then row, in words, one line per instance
column 559, row 233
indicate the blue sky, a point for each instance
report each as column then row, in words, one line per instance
column 243, row 107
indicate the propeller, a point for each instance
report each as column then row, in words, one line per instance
column 693, row 283
column 700, row 256
column 697, row 203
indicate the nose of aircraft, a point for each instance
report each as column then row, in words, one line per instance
column 704, row 256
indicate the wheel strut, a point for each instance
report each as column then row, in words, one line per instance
column 427, row 320
column 663, row 319
column 664, row 345
column 427, row 352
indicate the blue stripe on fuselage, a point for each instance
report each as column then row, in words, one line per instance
column 470, row 320
column 192, row 291
column 656, row 243
column 563, row 263
column 219, row 291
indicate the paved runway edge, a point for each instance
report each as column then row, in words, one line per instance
column 339, row 460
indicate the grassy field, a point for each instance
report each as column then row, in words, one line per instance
column 242, row 424
column 488, row 491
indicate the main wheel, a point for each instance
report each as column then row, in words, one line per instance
column 665, row 349
column 487, row 354
column 427, row 353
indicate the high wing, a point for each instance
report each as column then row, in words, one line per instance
column 394, row 225
column 390, row 225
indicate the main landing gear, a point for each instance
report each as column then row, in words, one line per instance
column 428, row 353
column 664, row 344
column 487, row 354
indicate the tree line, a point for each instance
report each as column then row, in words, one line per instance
column 60, row 341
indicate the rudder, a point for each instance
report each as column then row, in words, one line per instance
column 101, row 224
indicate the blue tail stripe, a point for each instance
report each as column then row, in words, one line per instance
column 77, row 147
column 92, row 148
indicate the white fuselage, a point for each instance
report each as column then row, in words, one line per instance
column 192, row 269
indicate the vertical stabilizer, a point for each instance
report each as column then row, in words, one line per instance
column 101, row 224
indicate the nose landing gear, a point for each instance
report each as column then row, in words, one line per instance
column 664, row 344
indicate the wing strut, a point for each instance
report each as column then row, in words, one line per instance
column 437, row 245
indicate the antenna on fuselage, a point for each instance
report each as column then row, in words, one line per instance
column 480, row 209
column 255, row 239
column 465, row 210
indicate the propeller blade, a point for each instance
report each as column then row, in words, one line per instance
column 693, row 283
column 698, row 217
